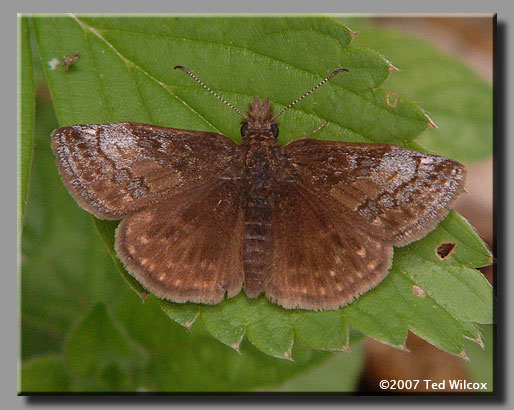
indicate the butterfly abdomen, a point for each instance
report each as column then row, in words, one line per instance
column 257, row 210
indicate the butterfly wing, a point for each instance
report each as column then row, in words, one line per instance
column 114, row 170
column 188, row 248
column 394, row 194
column 320, row 260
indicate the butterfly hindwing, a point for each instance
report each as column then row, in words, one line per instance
column 319, row 260
column 187, row 249
column 114, row 170
column 393, row 194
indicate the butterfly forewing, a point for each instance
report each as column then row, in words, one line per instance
column 393, row 194
column 320, row 260
column 114, row 170
column 187, row 248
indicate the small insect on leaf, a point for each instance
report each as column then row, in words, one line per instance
column 70, row 59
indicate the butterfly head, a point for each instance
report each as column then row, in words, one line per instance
column 260, row 120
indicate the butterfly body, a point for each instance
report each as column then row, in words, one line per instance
column 311, row 224
column 257, row 204
column 264, row 167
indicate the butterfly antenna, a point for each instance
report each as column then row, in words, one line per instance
column 332, row 74
column 194, row 77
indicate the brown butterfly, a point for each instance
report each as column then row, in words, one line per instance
column 311, row 224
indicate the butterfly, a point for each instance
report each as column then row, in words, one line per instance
column 310, row 225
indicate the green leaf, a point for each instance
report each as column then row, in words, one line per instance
column 44, row 374
column 125, row 74
column 481, row 358
column 101, row 353
column 194, row 361
column 26, row 116
column 343, row 372
column 462, row 291
column 458, row 100
column 118, row 78
column 333, row 331
column 185, row 314
column 386, row 313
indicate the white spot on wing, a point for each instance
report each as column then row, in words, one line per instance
column 371, row 265
column 376, row 222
